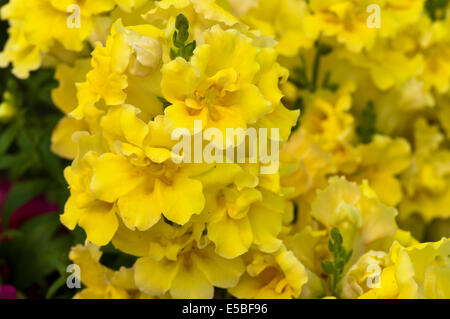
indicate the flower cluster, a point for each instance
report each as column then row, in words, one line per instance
column 359, row 94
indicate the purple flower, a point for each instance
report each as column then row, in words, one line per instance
column 8, row 292
column 37, row 206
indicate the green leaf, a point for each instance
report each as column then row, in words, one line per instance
column 7, row 161
column 164, row 102
column 55, row 287
column 324, row 49
column 19, row 195
column 179, row 44
column 335, row 267
column 367, row 128
column 181, row 22
column 179, row 38
column 189, row 50
column 183, row 35
column 51, row 162
column 326, row 84
column 331, row 246
column 349, row 254
column 173, row 54
column 8, row 136
column 328, row 267
column 436, row 9
column 336, row 236
column 43, row 246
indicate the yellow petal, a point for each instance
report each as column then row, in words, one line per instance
column 113, row 176
column 155, row 277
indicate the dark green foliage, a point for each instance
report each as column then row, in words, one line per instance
column 367, row 127
column 436, row 9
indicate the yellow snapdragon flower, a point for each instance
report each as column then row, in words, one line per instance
column 192, row 275
column 37, row 26
column 229, row 83
column 284, row 20
column 120, row 66
column 418, row 271
column 277, row 276
column 152, row 176
column 65, row 98
column 364, row 222
column 201, row 14
column 348, row 20
column 427, row 180
column 381, row 161
column 100, row 282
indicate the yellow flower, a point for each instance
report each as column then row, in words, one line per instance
column 192, row 275
column 229, row 83
column 427, row 181
column 276, row 276
column 285, row 20
column 65, row 98
column 201, row 14
column 419, row 271
column 349, row 20
column 434, row 43
column 388, row 66
column 27, row 42
column 62, row 143
column 305, row 165
column 129, row 5
column 96, row 217
column 154, row 184
column 381, row 161
column 328, row 119
column 399, row 107
column 249, row 216
column 361, row 218
column 100, row 282
column 126, row 70
column 437, row 68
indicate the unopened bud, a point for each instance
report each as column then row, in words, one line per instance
column 7, row 109
column 148, row 56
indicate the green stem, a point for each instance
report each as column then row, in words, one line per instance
column 315, row 74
